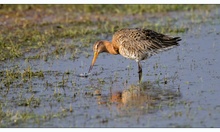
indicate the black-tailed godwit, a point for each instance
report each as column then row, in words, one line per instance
column 135, row 43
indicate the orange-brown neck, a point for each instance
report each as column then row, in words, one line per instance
column 110, row 48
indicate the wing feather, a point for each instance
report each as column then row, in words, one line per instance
column 140, row 44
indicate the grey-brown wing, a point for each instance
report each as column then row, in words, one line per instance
column 159, row 40
column 140, row 44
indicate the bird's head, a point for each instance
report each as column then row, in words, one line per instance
column 98, row 47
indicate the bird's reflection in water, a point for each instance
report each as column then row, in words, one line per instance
column 146, row 97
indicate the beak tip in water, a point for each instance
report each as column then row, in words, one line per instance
column 90, row 68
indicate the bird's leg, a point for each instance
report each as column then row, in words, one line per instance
column 139, row 71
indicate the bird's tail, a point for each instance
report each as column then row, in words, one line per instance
column 168, row 43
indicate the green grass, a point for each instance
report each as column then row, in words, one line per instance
column 30, row 28
column 110, row 8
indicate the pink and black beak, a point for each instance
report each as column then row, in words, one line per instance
column 93, row 60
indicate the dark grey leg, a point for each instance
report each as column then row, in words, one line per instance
column 139, row 71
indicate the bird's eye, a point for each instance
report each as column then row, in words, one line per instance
column 98, row 44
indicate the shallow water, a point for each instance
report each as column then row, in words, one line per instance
column 180, row 87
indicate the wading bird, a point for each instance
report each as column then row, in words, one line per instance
column 135, row 43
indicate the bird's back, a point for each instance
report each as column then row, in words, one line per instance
column 139, row 44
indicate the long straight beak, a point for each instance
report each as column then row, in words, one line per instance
column 93, row 60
